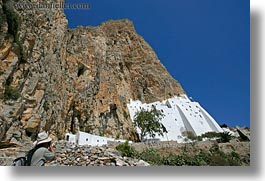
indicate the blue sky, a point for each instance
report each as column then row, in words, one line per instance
column 204, row 44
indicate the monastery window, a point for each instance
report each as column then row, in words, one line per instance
column 67, row 138
column 87, row 139
column 200, row 116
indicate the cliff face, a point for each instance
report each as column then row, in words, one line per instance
column 61, row 80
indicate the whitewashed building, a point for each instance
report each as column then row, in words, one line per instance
column 82, row 138
column 181, row 115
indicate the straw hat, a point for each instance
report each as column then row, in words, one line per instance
column 42, row 138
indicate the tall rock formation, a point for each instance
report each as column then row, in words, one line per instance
column 63, row 80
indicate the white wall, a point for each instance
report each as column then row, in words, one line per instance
column 70, row 138
column 89, row 139
column 82, row 138
column 181, row 114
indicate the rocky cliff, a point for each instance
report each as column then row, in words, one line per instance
column 61, row 80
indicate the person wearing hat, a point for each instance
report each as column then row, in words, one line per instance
column 43, row 150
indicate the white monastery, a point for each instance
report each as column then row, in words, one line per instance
column 82, row 138
column 181, row 115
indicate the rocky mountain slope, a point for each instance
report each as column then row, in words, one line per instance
column 60, row 80
column 198, row 153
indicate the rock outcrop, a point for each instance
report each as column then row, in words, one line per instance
column 62, row 80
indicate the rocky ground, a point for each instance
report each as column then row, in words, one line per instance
column 70, row 155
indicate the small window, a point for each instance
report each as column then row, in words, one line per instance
column 87, row 139
column 97, row 140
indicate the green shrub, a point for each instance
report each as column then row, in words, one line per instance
column 223, row 126
column 218, row 160
column 174, row 160
column 213, row 158
column 210, row 135
column 151, row 156
column 199, row 138
column 189, row 135
column 225, row 137
column 11, row 93
column 234, row 159
column 202, row 158
column 12, row 20
column 13, row 27
column 126, row 149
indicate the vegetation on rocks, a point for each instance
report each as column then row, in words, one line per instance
column 126, row 149
column 12, row 20
column 212, row 157
column 223, row 137
column 11, row 93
